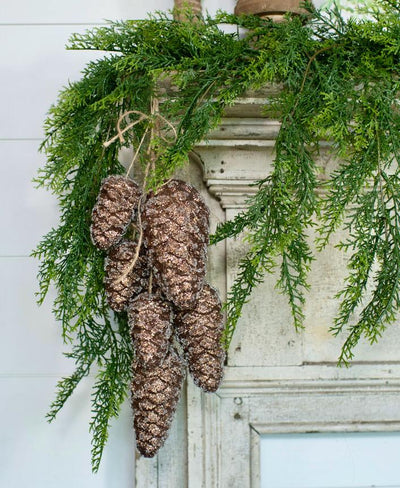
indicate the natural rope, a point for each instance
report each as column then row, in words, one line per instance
column 142, row 117
column 137, row 152
column 150, row 165
column 120, row 134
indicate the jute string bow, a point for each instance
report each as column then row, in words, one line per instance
column 153, row 125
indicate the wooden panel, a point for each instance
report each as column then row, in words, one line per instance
column 37, row 66
column 37, row 455
column 27, row 213
column 32, row 341
column 364, row 400
column 319, row 345
column 264, row 334
column 77, row 11
column 172, row 458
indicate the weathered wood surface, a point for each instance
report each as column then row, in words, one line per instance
column 276, row 380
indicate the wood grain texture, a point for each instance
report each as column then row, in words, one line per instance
column 276, row 380
column 77, row 11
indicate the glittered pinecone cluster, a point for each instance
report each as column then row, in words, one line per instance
column 174, row 315
column 114, row 210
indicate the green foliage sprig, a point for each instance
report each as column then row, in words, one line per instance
column 340, row 82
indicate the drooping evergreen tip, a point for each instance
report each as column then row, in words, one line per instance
column 340, row 82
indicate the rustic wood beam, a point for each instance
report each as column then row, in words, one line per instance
column 179, row 5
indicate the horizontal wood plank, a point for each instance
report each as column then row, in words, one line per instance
column 77, row 11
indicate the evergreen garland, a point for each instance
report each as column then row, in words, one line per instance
column 340, row 82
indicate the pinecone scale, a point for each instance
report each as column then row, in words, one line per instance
column 200, row 332
column 155, row 395
column 150, row 320
column 115, row 206
column 176, row 228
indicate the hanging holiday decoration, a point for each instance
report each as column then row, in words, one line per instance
column 116, row 203
column 200, row 332
column 120, row 284
column 339, row 83
column 174, row 223
column 155, row 394
column 176, row 228
column 164, row 266
column 150, row 320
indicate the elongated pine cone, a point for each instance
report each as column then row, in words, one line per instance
column 116, row 203
column 200, row 331
column 176, row 229
column 120, row 291
column 155, row 395
column 150, row 319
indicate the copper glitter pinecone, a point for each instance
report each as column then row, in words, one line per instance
column 150, row 319
column 200, row 331
column 120, row 291
column 176, row 229
column 155, row 395
column 116, row 203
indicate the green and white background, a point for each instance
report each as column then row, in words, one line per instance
column 34, row 66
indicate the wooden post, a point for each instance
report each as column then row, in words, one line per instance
column 274, row 9
column 193, row 5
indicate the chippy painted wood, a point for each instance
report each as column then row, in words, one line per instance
column 256, row 401
column 276, row 380
column 170, row 464
column 177, row 464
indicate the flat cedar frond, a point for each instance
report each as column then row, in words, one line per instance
column 246, row 219
column 251, row 273
column 110, row 390
column 378, row 246
column 296, row 260
column 339, row 83
column 65, row 387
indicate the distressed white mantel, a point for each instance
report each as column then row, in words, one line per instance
column 276, row 380
column 240, row 151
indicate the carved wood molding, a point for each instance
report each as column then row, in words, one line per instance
column 215, row 439
column 224, row 429
column 240, row 150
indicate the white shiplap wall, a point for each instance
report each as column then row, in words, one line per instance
column 33, row 68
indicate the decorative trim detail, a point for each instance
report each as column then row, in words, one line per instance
column 239, row 152
column 215, row 440
column 244, row 409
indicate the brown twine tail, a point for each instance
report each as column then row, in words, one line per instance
column 121, row 132
column 154, row 129
column 155, row 132
column 153, row 103
column 131, row 265
column 137, row 152
column 139, row 229
column 151, row 282
column 142, row 116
